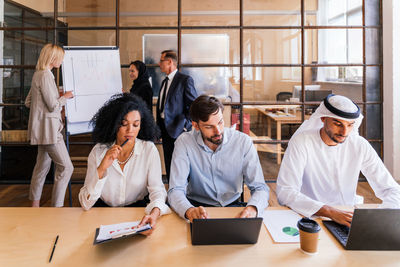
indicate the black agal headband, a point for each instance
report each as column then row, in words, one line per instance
column 340, row 113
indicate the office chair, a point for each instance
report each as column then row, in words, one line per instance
column 283, row 96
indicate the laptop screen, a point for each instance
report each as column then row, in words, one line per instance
column 225, row 231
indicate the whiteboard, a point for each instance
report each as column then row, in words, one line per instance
column 93, row 74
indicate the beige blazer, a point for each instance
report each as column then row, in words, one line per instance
column 45, row 124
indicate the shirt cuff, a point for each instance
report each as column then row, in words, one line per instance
column 164, row 209
column 95, row 187
column 312, row 208
column 62, row 100
column 182, row 210
column 260, row 207
column 259, row 199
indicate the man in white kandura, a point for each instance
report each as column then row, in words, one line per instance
column 323, row 161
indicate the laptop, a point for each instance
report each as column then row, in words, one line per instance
column 371, row 229
column 225, row 231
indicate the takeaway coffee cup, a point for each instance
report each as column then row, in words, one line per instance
column 309, row 231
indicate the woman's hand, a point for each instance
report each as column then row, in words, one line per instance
column 108, row 159
column 150, row 219
column 68, row 94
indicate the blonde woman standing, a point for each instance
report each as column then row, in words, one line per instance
column 45, row 126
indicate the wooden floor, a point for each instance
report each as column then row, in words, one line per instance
column 17, row 195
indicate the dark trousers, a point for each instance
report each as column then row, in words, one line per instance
column 140, row 203
column 236, row 203
column 168, row 147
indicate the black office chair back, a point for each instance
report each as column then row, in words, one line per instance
column 283, row 96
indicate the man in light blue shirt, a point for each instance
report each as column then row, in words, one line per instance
column 210, row 163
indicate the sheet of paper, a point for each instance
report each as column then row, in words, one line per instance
column 282, row 225
column 116, row 230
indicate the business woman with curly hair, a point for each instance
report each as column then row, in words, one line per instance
column 124, row 166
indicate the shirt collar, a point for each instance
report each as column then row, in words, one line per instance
column 50, row 73
column 172, row 75
column 138, row 147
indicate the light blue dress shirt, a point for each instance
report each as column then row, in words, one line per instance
column 215, row 178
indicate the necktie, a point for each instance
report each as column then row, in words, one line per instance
column 164, row 93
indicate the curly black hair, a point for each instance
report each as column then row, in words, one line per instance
column 108, row 119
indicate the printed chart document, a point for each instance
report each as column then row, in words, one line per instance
column 282, row 225
column 114, row 231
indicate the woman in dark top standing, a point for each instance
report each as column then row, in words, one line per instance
column 141, row 85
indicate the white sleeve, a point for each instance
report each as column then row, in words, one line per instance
column 155, row 186
column 381, row 181
column 290, row 180
column 91, row 190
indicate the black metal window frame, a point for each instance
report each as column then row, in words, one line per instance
column 241, row 27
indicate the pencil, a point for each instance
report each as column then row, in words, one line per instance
column 54, row 247
column 124, row 142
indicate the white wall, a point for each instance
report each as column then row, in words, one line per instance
column 391, row 86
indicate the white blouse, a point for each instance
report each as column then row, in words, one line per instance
column 141, row 176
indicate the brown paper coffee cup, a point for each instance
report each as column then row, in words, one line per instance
column 309, row 233
column 309, row 242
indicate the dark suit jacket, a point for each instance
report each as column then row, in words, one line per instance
column 144, row 90
column 180, row 96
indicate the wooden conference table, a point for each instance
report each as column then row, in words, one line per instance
column 27, row 237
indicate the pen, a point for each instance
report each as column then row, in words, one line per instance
column 124, row 142
column 54, row 247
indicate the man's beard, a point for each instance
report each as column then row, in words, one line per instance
column 214, row 141
column 333, row 138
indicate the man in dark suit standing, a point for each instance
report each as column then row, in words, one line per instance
column 176, row 95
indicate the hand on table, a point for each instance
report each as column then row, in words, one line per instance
column 339, row 216
column 150, row 219
column 196, row 213
column 248, row 212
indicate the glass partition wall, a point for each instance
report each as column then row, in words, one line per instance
column 270, row 62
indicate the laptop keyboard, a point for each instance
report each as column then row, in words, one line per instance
column 341, row 232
